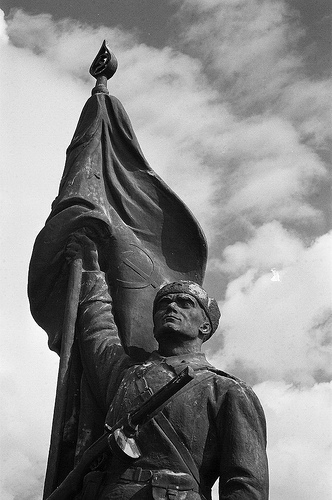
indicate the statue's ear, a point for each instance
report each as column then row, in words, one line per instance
column 205, row 329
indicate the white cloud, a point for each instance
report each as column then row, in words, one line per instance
column 252, row 50
column 278, row 329
column 308, row 105
column 58, row 55
column 299, row 443
column 249, row 44
column 237, row 143
column 219, row 164
column 3, row 27
column 271, row 247
column 27, row 385
column 299, row 440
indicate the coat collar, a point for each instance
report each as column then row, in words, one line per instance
column 195, row 360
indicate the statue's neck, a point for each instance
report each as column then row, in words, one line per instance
column 168, row 349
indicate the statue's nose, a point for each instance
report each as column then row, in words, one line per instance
column 172, row 306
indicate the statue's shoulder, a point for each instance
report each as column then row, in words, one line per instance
column 239, row 391
column 223, row 374
column 228, row 379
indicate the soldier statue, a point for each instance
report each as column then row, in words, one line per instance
column 213, row 429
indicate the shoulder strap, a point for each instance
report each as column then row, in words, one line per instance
column 175, row 441
column 180, row 448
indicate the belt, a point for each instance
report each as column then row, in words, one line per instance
column 137, row 475
column 160, row 478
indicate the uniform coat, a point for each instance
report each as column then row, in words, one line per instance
column 216, row 416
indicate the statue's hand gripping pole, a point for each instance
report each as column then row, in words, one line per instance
column 68, row 335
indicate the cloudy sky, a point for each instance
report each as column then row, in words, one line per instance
column 230, row 102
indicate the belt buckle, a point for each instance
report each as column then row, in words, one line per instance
column 137, row 474
column 142, row 475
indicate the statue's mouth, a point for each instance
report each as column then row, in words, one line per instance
column 170, row 318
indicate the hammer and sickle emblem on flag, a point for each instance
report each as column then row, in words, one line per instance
column 137, row 269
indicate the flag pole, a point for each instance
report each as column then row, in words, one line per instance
column 102, row 68
column 68, row 336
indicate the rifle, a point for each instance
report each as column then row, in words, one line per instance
column 119, row 439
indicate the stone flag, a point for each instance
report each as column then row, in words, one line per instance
column 147, row 236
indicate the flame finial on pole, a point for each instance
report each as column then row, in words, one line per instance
column 103, row 67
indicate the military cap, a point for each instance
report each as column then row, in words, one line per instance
column 208, row 304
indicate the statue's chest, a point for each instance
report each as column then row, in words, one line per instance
column 138, row 385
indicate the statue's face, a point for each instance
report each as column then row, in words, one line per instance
column 178, row 314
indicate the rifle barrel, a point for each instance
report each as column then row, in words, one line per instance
column 154, row 404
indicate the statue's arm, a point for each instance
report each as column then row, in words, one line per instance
column 243, row 467
column 98, row 339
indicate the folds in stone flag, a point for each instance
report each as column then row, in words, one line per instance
column 146, row 235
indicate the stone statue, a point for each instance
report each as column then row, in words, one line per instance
column 217, row 419
column 115, row 280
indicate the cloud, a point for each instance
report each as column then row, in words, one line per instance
column 252, row 51
column 307, row 104
column 272, row 246
column 231, row 122
column 274, row 171
column 299, row 439
column 248, row 44
column 27, row 385
column 3, row 27
column 222, row 165
column 277, row 329
column 148, row 79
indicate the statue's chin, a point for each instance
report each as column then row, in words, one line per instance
column 173, row 338
column 169, row 331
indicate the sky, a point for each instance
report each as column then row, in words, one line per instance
column 230, row 100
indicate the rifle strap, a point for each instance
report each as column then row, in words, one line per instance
column 176, row 442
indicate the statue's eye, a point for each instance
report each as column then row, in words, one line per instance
column 186, row 302
column 163, row 303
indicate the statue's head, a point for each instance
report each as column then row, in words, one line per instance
column 184, row 308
